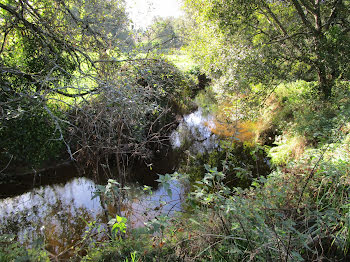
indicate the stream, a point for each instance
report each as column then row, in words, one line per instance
column 59, row 209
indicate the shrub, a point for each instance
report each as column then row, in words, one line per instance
column 29, row 134
column 240, row 162
column 287, row 149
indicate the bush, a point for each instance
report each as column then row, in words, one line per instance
column 132, row 115
column 302, row 118
column 29, row 135
column 286, row 149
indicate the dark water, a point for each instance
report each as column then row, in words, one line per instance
column 61, row 204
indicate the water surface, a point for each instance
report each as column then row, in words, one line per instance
column 60, row 205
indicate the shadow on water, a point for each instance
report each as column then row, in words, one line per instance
column 57, row 205
column 22, row 183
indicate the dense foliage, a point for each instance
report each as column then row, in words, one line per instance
column 164, row 34
column 46, row 56
column 276, row 40
column 67, row 66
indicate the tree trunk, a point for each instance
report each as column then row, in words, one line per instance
column 325, row 84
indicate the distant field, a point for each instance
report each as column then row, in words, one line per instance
column 182, row 61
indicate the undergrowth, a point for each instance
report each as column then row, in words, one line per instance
column 302, row 119
column 299, row 212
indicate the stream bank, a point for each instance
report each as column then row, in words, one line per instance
column 63, row 202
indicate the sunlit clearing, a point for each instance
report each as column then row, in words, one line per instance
column 142, row 12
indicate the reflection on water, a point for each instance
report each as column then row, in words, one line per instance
column 194, row 133
column 58, row 212
column 54, row 212
column 140, row 208
column 244, row 131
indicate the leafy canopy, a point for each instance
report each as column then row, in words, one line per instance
column 277, row 39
